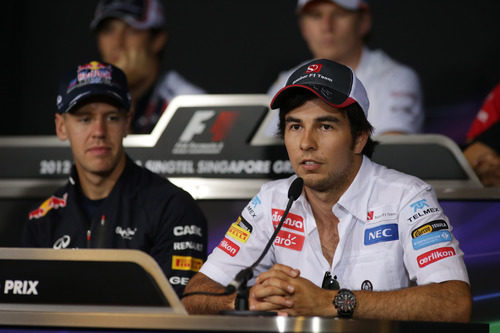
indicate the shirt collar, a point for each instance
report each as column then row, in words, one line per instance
column 355, row 198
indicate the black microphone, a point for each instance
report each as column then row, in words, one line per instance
column 246, row 274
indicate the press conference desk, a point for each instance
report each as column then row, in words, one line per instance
column 66, row 318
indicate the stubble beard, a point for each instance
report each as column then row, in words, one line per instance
column 333, row 181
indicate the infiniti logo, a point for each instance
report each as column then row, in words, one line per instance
column 62, row 242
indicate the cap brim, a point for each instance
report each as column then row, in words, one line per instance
column 107, row 94
column 285, row 92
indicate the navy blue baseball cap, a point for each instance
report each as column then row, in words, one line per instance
column 91, row 80
column 140, row 14
column 335, row 84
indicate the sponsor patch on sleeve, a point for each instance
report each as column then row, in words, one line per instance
column 420, row 209
column 51, row 203
column 429, row 227
column 184, row 263
column 229, row 247
column 238, row 233
column 431, row 239
column 435, row 255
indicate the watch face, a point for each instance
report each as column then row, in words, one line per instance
column 345, row 302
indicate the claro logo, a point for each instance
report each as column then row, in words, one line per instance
column 20, row 287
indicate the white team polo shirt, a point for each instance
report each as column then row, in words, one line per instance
column 391, row 230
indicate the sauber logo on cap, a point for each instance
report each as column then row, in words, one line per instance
column 229, row 247
column 314, row 68
column 435, row 255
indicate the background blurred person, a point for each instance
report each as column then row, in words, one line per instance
column 336, row 30
column 131, row 35
column 483, row 138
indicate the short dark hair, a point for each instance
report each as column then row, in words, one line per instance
column 357, row 120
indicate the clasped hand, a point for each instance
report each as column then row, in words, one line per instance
column 282, row 290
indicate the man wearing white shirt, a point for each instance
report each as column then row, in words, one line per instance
column 336, row 30
column 379, row 233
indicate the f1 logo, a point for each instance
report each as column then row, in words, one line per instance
column 196, row 125
column 314, row 68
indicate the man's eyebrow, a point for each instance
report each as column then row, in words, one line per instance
column 290, row 119
column 328, row 119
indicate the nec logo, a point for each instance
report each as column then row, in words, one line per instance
column 20, row 287
column 383, row 233
column 314, row 68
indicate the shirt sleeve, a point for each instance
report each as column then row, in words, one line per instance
column 242, row 244
column 180, row 241
column 488, row 115
column 431, row 252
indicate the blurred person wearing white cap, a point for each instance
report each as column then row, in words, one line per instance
column 336, row 30
column 131, row 35
column 360, row 240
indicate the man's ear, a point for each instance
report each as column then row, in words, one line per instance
column 159, row 41
column 360, row 142
column 61, row 127
column 365, row 23
column 128, row 119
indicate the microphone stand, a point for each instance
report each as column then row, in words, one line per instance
column 239, row 283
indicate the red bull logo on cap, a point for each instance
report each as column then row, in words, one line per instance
column 94, row 69
column 52, row 202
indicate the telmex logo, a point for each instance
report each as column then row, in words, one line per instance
column 229, row 247
column 256, row 201
column 435, row 255
column 186, row 263
column 47, row 205
column 289, row 240
column 292, row 221
column 419, row 205
column 382, row 233
column 429, row 227
column 20, row 287
column 238, row 233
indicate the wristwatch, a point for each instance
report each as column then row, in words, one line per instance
column 345, row 302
